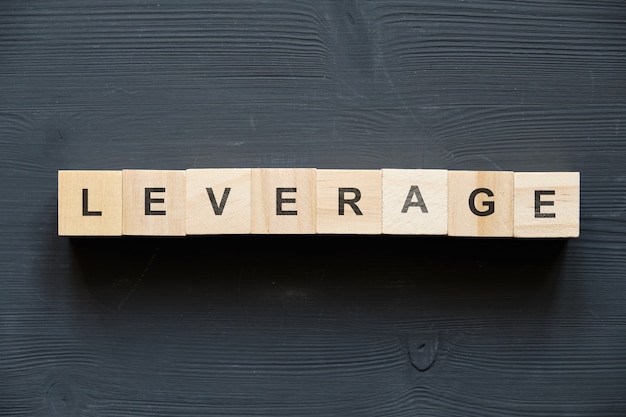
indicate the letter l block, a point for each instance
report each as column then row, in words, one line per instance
column 90, row 203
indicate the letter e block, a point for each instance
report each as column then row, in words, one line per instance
column 218, row 201
column 480, row 203
column 154, row 203
column 90, row 203
column 547, row 204
column 415, row 201
column 283, row 200
column 349, row 201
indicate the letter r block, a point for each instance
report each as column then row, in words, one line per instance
column 480, row 203
column 349, row 201
column 154, row 203
column 283, row 200
column 90, row 203
column 218, row 201
column 547, row 204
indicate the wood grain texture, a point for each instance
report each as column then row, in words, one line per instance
column 415, row 201
column 218, row 201
column 89, row 203
column 547, row 204
column 153, row 202
column 312, row 325
column 349, row 201
column 480, row 203
column 283, row 200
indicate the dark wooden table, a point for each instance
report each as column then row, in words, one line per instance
column 312, row 325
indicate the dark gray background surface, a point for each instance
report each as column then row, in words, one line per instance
column 313, row 325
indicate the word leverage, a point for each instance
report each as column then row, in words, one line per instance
column 324, row 201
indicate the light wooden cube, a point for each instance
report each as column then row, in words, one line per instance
column 154, row 203
column 480, row 203
column 218, row 201
column 283, row 200
column 349, row 201
column 547, row 204
column 415, row 201
column 90, row 203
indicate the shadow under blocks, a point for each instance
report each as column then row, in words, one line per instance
column 329, row 272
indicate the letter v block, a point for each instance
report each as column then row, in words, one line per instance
column 480, row 203
column 154, row 203
column 218, row 201
column 283, row 200
column 415, row 201
column 547, row 204
column 90, row 203
column 349, row 201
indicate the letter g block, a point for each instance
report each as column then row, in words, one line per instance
column 480, row 203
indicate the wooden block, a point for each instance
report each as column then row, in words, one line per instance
column 547, row 204
column 480, row 203
column 90, row 203
column 218, row 201
column 154, row 203
column 349, row 201
column 283, row 200
column 415, row 201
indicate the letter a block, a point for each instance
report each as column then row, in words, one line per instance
column 154, row 203
column 90, row 203
column 349, row 201
column 283, row 200
column 547, row 204
column 415, row 201
column 218, row 201
column 480, row 203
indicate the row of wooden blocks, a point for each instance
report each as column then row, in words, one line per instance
column 327, row 201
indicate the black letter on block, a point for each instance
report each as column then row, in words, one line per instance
column 414, row 191
column 86, row 211
column 280, row 200
column 218, row 210
column 352, row 202
column 150, row 200
column 539, row 203
column 489, row 204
